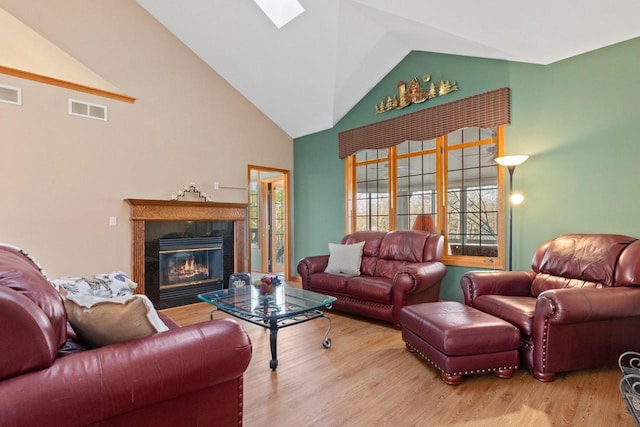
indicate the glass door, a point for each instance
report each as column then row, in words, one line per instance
column 277, row 227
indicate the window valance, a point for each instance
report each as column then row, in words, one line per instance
column 484, row 110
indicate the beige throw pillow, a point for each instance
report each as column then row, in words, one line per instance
column 103, row 321
column 344, row 259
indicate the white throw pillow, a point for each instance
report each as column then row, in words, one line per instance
column 103, row 321
column 344, row 258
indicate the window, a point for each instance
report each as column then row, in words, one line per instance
column 416, row 185
column 448, row 185
column 372, row 202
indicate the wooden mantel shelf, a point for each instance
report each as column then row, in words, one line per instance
column 150, row 202
column 143, row 210
column 178, row 210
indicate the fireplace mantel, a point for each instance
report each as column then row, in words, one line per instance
column 143, row 210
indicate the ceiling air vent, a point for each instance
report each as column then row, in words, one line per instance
column 10, row 95
column 85, row 109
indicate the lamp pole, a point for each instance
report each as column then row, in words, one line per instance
column 511, row 168
column 510, row 162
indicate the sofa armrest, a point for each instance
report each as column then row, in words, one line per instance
column 512, row 283
column 415, row 278
column 27, row 338
column 576, row 305
column 93, row 385
column 311, row 265
column 168, row 321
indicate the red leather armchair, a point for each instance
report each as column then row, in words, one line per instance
column 398, row 268
column 188, row 375
column 578, row 308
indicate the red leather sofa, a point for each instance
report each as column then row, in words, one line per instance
column 398, row 268
column 578, row 308
column 188, row 375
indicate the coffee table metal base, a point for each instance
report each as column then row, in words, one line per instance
column 274, row 324
column 284, row 306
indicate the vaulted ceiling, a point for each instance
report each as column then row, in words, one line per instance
column 307, row 75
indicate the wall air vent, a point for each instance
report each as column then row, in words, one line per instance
column 10, row 95
column 86, row 109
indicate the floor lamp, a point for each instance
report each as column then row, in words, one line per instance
column 510, row 162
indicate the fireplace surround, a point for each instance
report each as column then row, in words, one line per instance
column 201, row 219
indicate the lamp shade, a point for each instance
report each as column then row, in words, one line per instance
column 424, row 222
column 511, row 160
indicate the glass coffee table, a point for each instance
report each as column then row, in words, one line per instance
column 286, row 306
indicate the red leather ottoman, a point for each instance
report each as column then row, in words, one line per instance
column 460, row 340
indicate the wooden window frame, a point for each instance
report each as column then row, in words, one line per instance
column 441, row 153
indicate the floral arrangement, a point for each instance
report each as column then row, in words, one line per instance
column 267, row 285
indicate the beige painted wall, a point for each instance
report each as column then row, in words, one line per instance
column 62, row 177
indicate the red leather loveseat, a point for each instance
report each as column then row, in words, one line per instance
column 398, row 268
column 579, row 306
column 188, row 375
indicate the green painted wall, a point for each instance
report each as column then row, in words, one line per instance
column 577, row 119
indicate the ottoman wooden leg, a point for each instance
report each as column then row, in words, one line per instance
column 504, row 373
column 451, row 379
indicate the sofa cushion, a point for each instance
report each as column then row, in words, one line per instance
column 403, row 245
column 388, row 268
column 517, row 310
column 399, row 248
column 543, row 282
column 103, row 321
column 373, row 289
column 586, row 258
column 329, row 283
column 344, row 258
column 370, row 251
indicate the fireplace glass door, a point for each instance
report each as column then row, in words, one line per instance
column 190, row 261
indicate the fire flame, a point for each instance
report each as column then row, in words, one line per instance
column 190, row 269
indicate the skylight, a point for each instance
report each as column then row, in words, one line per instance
column 280, row 11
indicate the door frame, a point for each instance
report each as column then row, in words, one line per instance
column 267, row 174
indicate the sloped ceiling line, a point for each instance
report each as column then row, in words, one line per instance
column 314, row 70
column 28, row 55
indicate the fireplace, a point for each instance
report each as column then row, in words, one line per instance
column 186, row 258
column 184, row 267
column 183, row 248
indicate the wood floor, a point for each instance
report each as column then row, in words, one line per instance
column 367, row 378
